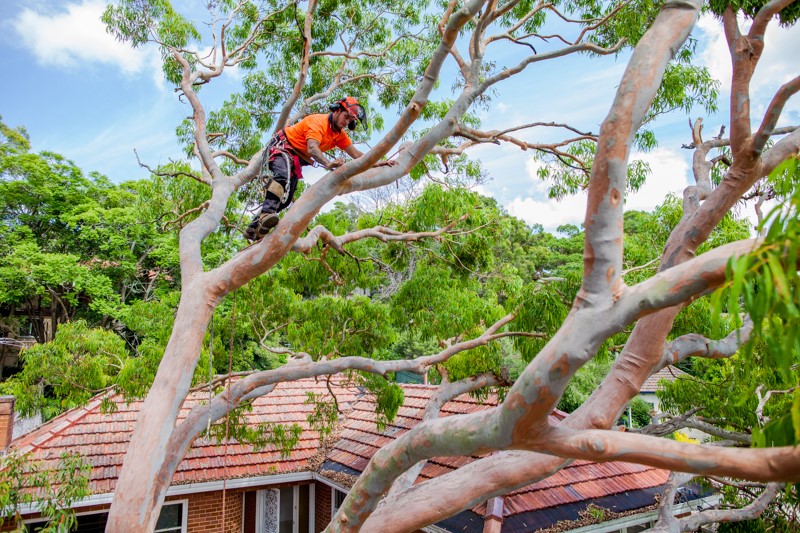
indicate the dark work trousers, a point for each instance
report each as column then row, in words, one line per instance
column 283, row 175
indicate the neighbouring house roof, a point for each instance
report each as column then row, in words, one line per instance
column 670, row 373
column 102, row 438
column 616, row 486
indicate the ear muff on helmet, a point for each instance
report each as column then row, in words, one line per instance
column 352, row 106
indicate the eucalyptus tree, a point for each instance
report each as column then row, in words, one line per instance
column 298, row 55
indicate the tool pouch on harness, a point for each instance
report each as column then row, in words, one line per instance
column 277, row 189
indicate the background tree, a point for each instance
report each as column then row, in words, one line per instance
column 74, row 246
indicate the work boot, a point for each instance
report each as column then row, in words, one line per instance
column 260, row 226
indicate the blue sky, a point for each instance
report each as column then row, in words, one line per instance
column 81, row 94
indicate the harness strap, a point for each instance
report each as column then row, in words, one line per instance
column 279, row 146
column 276, row 188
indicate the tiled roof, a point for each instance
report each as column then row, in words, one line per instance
column 670, row 373
column 102, row 438
column 579, row 482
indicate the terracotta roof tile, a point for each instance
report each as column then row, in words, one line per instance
column 669, row 373
column 580, row 481
column 102, row 438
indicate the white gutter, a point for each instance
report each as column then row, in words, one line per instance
column 206, row 486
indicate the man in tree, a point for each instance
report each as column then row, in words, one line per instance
column 301, row 144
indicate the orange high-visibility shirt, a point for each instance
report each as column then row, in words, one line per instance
column 318, row 128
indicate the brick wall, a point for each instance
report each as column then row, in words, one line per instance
column 322, row 508
column 6, row 421
column 205, row 512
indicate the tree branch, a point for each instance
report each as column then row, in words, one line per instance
column 764, row 15
column 382, row 233
column 673, row 424
column 782, row 150
column 762, row 464
column 607, row 185
column 694, row 345
column 666, row 506
column 567, row 50
column 773, row 113
column 443, row 394
column 302, row 367
column 687, row 420
column 200, row 179
column 230, row 156
column 714, row 516
column 304, row 64
column 764, row 398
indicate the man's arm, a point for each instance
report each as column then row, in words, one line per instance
column 318, row 156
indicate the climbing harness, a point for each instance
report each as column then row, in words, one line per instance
column 278, row 146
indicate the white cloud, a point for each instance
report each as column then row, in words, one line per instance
column 715, row 55
column 537, row 208
column 77, row 36
column 549, row 213
column 778, row 63
column 670, row 173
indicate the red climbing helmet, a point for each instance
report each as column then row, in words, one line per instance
column 355, row 109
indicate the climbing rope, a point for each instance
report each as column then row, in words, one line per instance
column 248, row 201
column 228, row 414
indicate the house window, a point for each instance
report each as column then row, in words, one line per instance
column 337, row 499
column 286, row 510
column 171, row 520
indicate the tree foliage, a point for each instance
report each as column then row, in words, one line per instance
column 53, row 490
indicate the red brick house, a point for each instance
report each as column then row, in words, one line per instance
column 233, row 488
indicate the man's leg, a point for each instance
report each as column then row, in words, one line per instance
column 276, row 191
column 276, row 199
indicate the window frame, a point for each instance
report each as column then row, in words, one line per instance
column 295, row 507
column 184, row 516
column 334, row 507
